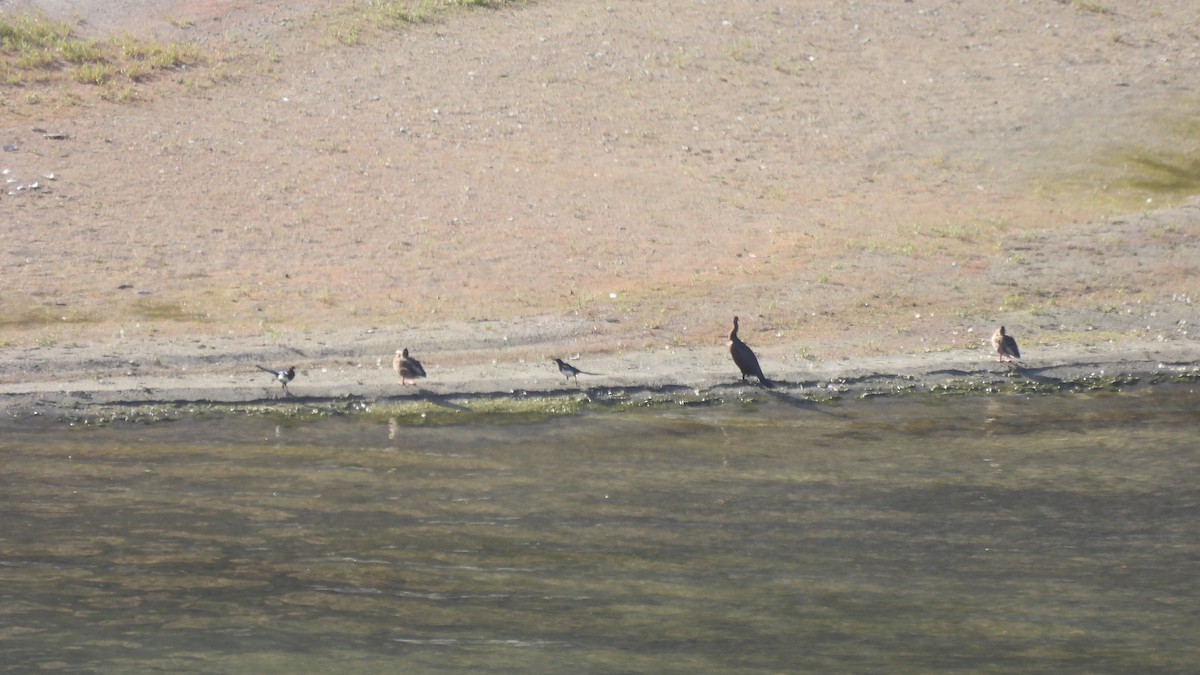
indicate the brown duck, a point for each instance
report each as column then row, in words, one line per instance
column 744, row 358
column 407, row 367
column 1005, row 346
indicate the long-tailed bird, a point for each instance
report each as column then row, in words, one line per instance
column 1005, row 346
column 570, row 371
column 283, row 376
column 744, row 358
column 407, row 367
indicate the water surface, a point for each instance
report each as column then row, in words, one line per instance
column 999, row 534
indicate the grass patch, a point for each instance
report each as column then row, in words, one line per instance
column 390, row 14
column 165, row 311
column 1164, row 173
column 1167, row 166
column 352, row 26
column 180, row 23
column 94, row 73
column 126, row 94
column 36, row 50
column 41, row 317
column 1092, row 6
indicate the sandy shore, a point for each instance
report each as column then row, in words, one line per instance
column 872, row 189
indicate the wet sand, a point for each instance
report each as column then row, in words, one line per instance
column 348, row 373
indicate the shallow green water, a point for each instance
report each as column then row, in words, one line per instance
column 1000, row 534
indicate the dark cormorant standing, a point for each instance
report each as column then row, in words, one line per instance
column 744, row 357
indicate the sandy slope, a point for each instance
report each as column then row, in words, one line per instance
column 605, row 180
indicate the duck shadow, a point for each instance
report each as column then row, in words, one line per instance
column 1011, row 370
column 431, row 397
column 1035, row 375
column 442, row 401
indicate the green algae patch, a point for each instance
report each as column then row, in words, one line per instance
column 532, row 408
column 433, row 411
column 491, row 410
column 527, row 408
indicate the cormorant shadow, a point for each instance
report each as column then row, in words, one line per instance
column 776, row 393
column 796, row 401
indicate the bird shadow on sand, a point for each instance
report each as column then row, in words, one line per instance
column 1035, row 375
column 442, row 401
column 439, row 400
column 1012, row 370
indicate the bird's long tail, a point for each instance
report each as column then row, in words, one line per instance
column 265, row 370
column 765, row 382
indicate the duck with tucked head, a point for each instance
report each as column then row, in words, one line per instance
column 1005, row 346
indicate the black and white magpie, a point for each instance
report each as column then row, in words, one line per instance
column 283, row 376
column 570, row 371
